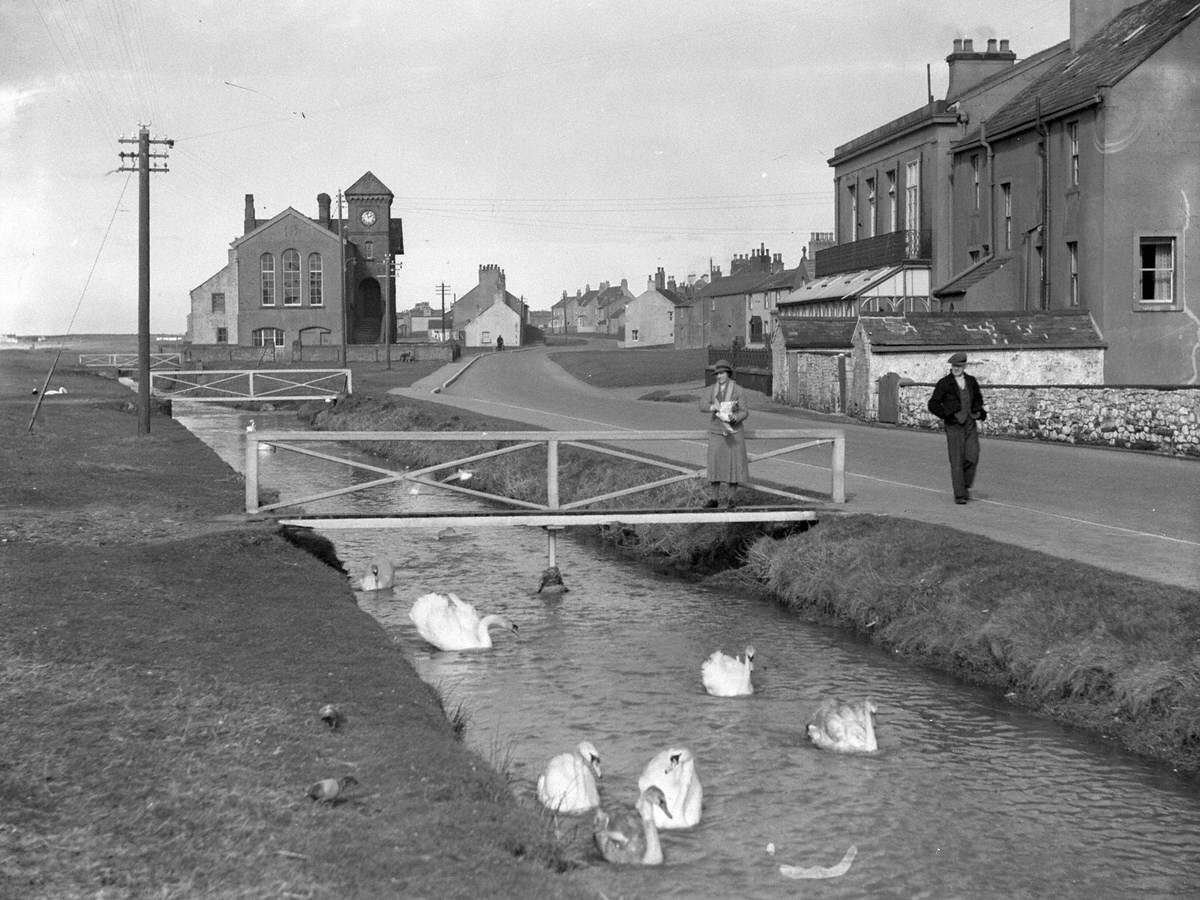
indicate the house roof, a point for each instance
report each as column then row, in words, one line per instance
column 730, row 285
column 843, row 284
column 982, row 330
column 787, row 280
column 816, row 333
column 290, row 212
column 972, row 276
column 1078, row 80
column 368, row 184
column 936, row 112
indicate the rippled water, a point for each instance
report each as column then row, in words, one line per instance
column 967, row 797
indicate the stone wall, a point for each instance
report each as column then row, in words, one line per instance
column 1162, row 420
column 810, row 381
column 234, row 356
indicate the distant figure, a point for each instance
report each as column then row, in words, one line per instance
column 958, row 402
column 499, row 344
column 727, row 460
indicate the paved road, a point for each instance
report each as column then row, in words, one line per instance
column 1129, row 512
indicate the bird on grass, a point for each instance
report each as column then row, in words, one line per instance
column 332, row 790
column 728, row 676
column 332, row 716
column 569, row 783
column 844, row 727
column 629, row 835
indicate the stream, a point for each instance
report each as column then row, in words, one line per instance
column 966, row 797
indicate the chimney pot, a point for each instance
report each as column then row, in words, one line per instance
column 968, row 45
column 991, row 45
column 958, row 45
column 1004, row 45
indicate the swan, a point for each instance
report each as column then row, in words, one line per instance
column 552, row 582
column 728, row 676
column 569, row 783
column 673, row 771
column 834, row 871
column 629, row 835
column 380, row 574
column 844, row 727
column 453, row 624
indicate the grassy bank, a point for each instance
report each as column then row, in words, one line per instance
column 1110, row 653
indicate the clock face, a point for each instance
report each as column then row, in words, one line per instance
column 367, row 217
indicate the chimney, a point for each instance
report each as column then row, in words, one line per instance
column 1090, row 16
column 248, row 223
column 660, row 278
column 649, row 282
column 968, row 68
column 624, row 284
column 323, row 209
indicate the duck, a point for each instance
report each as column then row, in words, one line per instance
column 630, row 835
column 728, row 676
column 453, row 624
column 332, row 716
column 569, row 783
column 380, row 575
column 673, row 771
column 844, row 727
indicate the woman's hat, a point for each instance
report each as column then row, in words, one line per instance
column 958, row 359
column 722, row 364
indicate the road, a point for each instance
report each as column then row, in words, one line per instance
column 1129, row 512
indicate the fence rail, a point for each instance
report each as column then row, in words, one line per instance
column 225, row 385
column 129, row 360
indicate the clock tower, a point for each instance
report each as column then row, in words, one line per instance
column 374, row 240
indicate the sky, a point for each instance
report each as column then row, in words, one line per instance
column 568, row 142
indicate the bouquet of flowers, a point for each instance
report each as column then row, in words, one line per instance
column 725, row 414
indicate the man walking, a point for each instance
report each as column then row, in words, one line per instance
column 958, row 402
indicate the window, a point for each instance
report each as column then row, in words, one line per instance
column 635, row 335
column 316, row 295
column 218, row 301
column 892, row 208
column 1073, row 141
column 268, row 337
column 222, row 335
column 266, row 268
column 912, row 195
column 974, row 254
column 485, row 338
column 975, row 178
column 370, row 249
column 1073, row 259
column 1157, row 270
column 291, row 278
column 1006, row 195
column 870, row 207
column 670, row 315
column 852, row 193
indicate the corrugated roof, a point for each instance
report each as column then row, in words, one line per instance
column 843, row 284
column 982, row 330
column 816, row 333
column 972, row 276
column 1075, row 80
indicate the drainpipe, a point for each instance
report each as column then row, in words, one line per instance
column 1044, row 145
column 991, row 164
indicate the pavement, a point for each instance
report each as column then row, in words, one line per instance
column 1130, row 512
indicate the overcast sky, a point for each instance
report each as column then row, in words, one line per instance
column 568, row 142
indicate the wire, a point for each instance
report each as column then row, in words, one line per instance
column 63, row 343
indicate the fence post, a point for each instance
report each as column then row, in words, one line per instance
column 838, row 470
column 251, row 472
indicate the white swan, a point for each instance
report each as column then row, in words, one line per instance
column 380, row 574
column 834, row 871
column 728, row 676
column 453, row 624
column 674, row 772
column 628, row 835
column 569, row 783
column 844, row 727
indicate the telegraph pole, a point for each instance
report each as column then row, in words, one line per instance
column 142, row 166
column 443, row 289
column 389, row 268
column 342, row 276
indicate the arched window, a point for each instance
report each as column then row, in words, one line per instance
column 268, row 337
column 291, row 278
column 266, row 268
column 316, row 296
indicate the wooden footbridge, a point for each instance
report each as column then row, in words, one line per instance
column 553, row 514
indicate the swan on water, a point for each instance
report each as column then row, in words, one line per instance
column 552, row 581
column 453, row 624
column 834, row 871
column 629, row 835
column 569, row 783
column 380, row 574
column 844, row 727
column 673, row 771
column 728, row 676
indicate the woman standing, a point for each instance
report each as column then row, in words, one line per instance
column 727, row 462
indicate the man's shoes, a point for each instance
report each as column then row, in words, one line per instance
column 711, row 504
column 960, row 500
